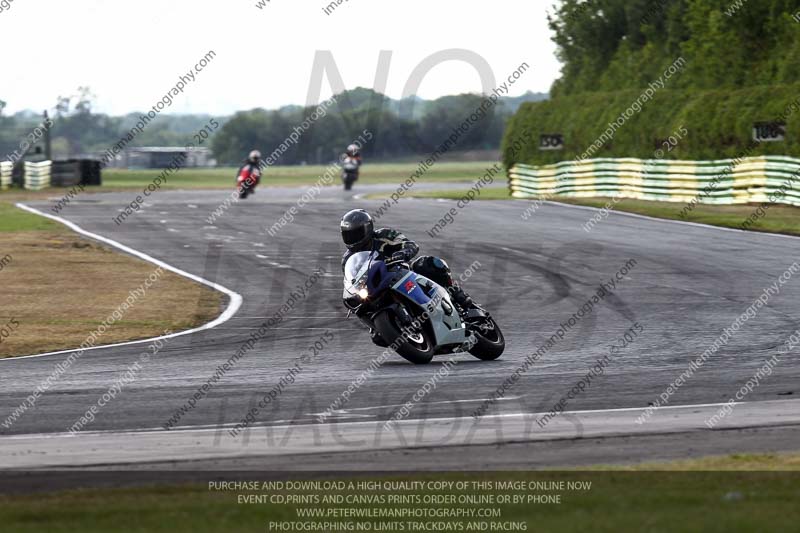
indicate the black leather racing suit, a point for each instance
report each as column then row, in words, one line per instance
column 387, row 242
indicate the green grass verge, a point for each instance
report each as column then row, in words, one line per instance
column 490, row 193
column 783, row 219
column 290, row 175
column 13, row 219
column 50, row 312
column 616, row 501
column 279, row 176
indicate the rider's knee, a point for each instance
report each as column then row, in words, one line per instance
column 433, row 268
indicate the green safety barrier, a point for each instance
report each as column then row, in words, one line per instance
column 762, row 179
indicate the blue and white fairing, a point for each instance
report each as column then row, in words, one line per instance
column 444, row 318
column 367, row 276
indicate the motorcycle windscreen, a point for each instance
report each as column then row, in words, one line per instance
column 356, row 270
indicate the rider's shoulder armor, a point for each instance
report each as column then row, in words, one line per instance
column 386, row 241
column 389, row 238
column 389, row 234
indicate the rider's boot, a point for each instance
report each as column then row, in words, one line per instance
column 461, row 299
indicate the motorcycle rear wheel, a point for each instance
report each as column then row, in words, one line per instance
column 416, row 348
column 490, row 341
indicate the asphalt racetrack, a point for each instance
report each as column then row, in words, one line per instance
column 688, row 283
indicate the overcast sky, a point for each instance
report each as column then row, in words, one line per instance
column 131, row 53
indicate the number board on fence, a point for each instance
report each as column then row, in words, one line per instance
column 769, row 131
column 551, row 141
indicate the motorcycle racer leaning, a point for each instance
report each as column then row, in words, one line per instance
column 359, row 235
column 249, row 174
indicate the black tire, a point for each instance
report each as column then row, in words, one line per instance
column 490, row 343
column 418, row 349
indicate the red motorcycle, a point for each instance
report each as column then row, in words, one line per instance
column 247, row 180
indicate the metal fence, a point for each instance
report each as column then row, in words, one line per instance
column 726, row 181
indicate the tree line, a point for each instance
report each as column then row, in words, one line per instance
column 738, row 70
column 401, row 128
column 607, row 45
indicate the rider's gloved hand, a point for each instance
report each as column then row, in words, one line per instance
column 397, row 257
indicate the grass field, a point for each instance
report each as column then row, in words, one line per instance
column 282, row 176
column 656, row 499
column 57, row 288
column 224, row 178
column 779, row 218
column 13, row 219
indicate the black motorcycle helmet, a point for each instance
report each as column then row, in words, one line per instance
column 357, row 229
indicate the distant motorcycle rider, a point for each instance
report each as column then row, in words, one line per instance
column 359, row 235
column 354, row 152
column 249, row 175
column 351, row 164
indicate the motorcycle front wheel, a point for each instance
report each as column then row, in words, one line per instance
column 490, row 342
column 415, row 346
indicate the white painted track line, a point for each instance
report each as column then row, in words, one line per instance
column 235, row 299
column 150, row 446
